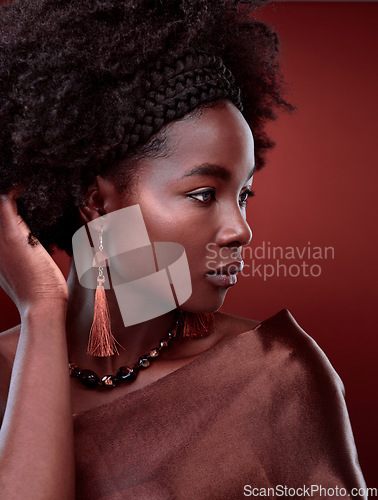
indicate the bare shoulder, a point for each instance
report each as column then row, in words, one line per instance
column 228, row 326
column 8, row 347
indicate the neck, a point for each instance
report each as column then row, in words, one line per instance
column 136, row 339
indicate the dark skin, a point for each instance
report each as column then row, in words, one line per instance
column 36, row 435
column 174, row 207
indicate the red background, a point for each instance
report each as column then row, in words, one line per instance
column 319, row 186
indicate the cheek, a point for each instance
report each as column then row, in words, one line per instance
column 166, row 227
column 181, row 221
column 174, row 221
column 176, row 228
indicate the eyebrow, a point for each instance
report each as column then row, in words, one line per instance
column 213, row 170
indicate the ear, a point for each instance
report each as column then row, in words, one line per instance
column 91, row 204
column 100, row 198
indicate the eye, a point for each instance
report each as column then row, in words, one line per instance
column 248, row 193
column 207, row 195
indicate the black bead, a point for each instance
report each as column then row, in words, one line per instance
column 127, row 374
column 88, row 378
column 154, row 353
column 164, row 343
column 144, row 361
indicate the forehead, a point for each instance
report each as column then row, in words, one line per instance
column 217, row 135
column 220, row 131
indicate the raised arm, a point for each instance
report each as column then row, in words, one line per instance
column 36, row 436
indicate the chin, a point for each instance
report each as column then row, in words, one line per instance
column 205, row 303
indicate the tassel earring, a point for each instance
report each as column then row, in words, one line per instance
column 197, row 325
column 101, row 341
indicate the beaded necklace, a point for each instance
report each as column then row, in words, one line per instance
column 125, row 374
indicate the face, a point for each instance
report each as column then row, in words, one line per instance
column 197, row 196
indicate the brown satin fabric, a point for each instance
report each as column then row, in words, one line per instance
column 265, row 408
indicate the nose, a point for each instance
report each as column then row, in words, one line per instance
column 234, row 230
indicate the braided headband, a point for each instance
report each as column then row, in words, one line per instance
column 175, row 89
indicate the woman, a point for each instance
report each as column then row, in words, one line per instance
column 158, row 105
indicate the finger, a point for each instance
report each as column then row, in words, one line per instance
column 14, row 193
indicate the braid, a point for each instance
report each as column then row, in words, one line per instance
column 173, row 90
column 86, row 86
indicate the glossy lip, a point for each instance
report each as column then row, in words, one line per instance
column 228, row 269
column 222, row 280
column 225, row 275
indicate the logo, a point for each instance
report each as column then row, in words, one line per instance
column 149, row 278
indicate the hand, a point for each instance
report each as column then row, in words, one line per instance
column 28, row 274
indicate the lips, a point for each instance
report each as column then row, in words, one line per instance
column 228, row 269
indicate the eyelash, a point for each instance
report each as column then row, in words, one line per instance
column 250, row 193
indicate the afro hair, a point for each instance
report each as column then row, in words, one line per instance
column 70, row 74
